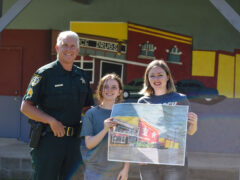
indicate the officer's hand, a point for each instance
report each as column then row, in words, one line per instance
column 57, row 128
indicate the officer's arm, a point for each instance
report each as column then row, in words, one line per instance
column 30, row 110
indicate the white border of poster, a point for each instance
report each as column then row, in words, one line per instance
column 148, row 133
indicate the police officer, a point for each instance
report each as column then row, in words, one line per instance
column 55, row 97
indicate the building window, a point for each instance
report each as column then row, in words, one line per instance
column 110, row 67
column 87, row 66
column 147, row 51
column 174, row 55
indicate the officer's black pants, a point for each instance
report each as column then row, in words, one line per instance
column 56, row 158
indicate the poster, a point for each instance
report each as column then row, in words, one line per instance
column 148, row 133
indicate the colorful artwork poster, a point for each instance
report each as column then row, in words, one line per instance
column 148, row 133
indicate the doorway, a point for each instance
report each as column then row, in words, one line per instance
column 10, row 91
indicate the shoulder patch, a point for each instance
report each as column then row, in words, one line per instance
column 30, row 92
column 35, row 80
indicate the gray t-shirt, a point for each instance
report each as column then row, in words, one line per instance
column 96, row 164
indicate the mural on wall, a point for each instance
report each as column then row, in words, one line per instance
column 218, row 69
column 127, row 49
column 114, row 47
column 147, row 51
column 174, row 54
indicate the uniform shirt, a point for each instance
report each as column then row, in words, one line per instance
column 96, row 163
column 61, row 94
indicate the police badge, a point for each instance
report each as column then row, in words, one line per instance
column 35, row 80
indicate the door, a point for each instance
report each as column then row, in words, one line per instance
column 10, row 91
column 237, row 77
column 225, row 78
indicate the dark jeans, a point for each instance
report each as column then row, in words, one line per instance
column 56, row 158
column 164, row 172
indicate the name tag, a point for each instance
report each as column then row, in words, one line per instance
column 58, row 85
column 83, row 81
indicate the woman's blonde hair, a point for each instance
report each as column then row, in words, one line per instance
column 101, row 83
column 147, row 88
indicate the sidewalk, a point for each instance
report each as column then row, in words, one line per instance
column 15, row 160
column 15, row 163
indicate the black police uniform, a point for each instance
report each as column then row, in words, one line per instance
column 61, row 94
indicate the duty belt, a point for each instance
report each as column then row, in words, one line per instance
column 70, row 131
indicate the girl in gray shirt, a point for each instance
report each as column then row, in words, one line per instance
column 96, row 124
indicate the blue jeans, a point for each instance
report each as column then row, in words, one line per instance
column 164, row 172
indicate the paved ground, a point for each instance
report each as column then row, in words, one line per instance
column 15, row 163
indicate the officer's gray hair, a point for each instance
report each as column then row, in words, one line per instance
column 64, row 34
